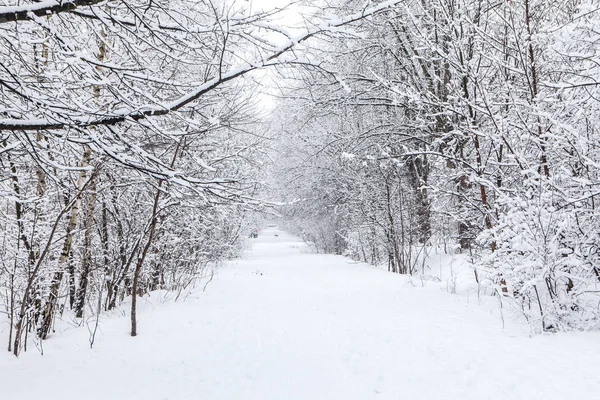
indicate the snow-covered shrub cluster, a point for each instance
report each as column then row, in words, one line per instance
column 547, row 259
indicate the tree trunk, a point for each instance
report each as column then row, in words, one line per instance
column 51, row 301
column 544, row 167
column 418, row 173
column 86, row 264
column 140, row 261
column 32, row 277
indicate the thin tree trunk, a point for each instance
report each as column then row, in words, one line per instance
column 86, row 264
column 12, row 310
column 52, row 299
column 534, row 92
column 140, row 261
column 418, row 175
column 119, row 275
column 72, row 283
column 26, row 294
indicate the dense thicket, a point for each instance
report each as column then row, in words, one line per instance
column 130, row 148
column 99, row 200
column 467, row 123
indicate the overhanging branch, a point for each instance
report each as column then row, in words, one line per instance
column 153, row 110
column 41, row 9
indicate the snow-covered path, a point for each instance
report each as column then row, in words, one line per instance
column 282, row 324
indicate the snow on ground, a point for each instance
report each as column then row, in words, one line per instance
column 284, row 324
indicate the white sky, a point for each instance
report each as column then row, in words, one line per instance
column 291, row 17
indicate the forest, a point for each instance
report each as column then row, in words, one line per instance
column 142, row 140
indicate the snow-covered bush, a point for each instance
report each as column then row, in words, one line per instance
column 546, row 259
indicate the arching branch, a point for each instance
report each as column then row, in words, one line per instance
column 41, row 9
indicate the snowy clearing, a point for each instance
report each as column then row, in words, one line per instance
column 285, row 324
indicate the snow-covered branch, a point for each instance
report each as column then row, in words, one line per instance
column 41, row 9
column 152, row 110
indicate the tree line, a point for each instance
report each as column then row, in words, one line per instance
column 470, row 125
column 131, row 147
